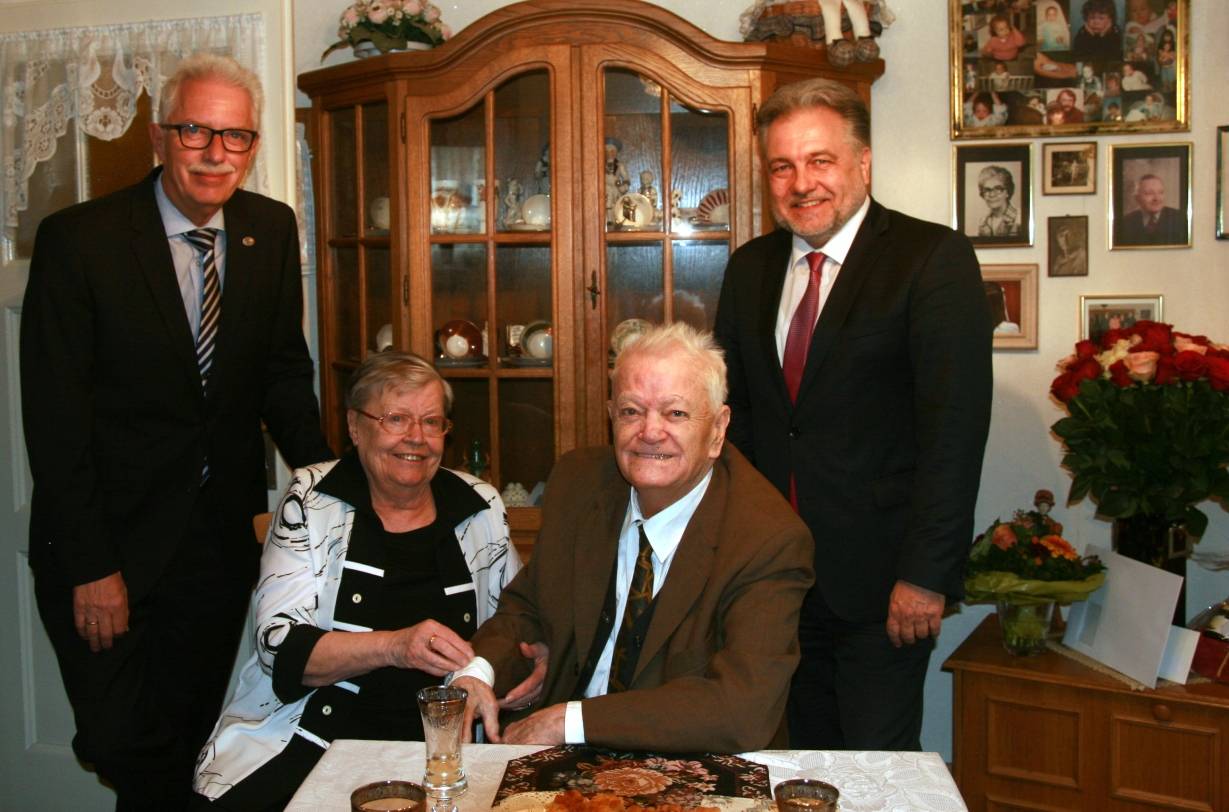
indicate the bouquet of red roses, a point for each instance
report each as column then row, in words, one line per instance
column 1147, row 431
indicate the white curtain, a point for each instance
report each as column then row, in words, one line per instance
column 54, row 79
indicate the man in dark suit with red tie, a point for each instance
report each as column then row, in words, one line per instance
column 161, row 325
column 858, row 345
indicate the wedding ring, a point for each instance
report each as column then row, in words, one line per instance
column 431, row 642
column 91, row 622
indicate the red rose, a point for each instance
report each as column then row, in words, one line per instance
column 1190, row 365
column 1203, row 341
column 1154, row 337
column 1120, row 376
column 1165, row 371
column 1111, row 337
column 1085, row 349
column 1065, row 387
column 1086, row 368
column 1218, row 372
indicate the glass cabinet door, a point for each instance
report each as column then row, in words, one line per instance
column 356, row 274
column 492, row 281
column 666, row 201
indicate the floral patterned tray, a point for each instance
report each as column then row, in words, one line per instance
column 646, row 778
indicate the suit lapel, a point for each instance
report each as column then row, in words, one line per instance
column 772, row 282
column 689, row 571
column 593, row 559
column 153, row 254
column 241, row 251
column 867, row 246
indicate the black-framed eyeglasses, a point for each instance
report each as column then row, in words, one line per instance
column 198, row 136
column 399, row 424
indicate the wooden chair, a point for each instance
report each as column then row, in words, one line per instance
column 260, row 525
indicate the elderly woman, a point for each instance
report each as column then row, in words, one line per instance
column 996, row 186
column 377, row 569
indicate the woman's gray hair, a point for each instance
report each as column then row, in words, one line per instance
column 394, row 370
column 702, row 357
column 206, row 65
column 817, row 93
column 992, row 172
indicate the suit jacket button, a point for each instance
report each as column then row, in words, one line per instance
column 794, row 432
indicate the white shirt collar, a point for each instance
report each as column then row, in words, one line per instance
column 837, row 248
column 665, row 528
column 176, row 222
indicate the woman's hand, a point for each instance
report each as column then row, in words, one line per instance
column 429, row 646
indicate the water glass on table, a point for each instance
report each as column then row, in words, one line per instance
column 806, row 795
column 443, row 712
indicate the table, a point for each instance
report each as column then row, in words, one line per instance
column 868, row 781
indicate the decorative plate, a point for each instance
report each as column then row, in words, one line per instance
column 644, row 778
column 525, row 361
column 538, row 340
column 633, row 210
column 539, row 801
column 714, row 208
column 459, row 339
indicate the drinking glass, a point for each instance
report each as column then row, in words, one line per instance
column 443, row 711
column 806, row 795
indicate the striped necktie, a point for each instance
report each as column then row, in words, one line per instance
column 203, row 240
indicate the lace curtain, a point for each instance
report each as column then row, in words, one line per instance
column 92, row 78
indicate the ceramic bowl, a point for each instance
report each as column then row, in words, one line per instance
column 459, row 339
column 538, row 340
column 536, row 210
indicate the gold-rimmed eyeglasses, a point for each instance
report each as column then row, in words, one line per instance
column 399, row 424
column 198, row 136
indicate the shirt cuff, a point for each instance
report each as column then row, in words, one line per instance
column 478, row 668
column 573, row 724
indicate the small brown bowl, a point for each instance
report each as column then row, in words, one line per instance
column 382, row 796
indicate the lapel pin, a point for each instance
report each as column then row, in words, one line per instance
column 249, row 241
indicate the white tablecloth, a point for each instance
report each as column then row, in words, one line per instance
column 868, row 781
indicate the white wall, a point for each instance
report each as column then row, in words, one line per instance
column 913, row 173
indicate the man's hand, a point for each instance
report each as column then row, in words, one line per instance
column 543, row 727
column 480, row 704
column 914, row 613
column 100, row 610
column 528, row 692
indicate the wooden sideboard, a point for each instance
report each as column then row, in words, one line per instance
column 1047, row 734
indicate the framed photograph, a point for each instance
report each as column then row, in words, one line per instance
column 1149, row 198
column 1068, row 241
column 1222, row 180
column 1101, row 313
column 1069, row 168
column 994, row 194
column 1011, row 295
column 1066, row 67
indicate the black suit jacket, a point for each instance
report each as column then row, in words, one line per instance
column 117, row 425
column 1170, row 229
column 887, row 436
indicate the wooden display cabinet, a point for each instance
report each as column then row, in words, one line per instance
column 504, row 213
column 1048, row 734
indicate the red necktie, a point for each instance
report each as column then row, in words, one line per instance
column 798, row 341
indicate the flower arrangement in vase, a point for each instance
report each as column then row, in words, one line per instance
column 389, row 25
column 1025, row 566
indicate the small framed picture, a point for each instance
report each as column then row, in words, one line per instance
column 1011, row 295
column 1068, row 241
column 1101, row 313
column 1222, row 180
column 1150, row 196
column 1069, row 168
column 994, row 194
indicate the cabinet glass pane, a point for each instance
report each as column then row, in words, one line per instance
column 341, row 383
column 522, row 152
column 344, row 172
column 347, row 306
column 458, row 173
column 523, row 303
column 700, row 169
column 375, row 167
column 379, row 299
column 635, row 280
column 632, row 142
column 698, row 269
column 459, row 303
column 527, row 431
column 471, row 421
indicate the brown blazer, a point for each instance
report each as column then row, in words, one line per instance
column 723, row 642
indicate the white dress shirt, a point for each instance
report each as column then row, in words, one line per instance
column 798, row 274
column 188, row 270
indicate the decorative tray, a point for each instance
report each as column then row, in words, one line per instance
column 646, row 778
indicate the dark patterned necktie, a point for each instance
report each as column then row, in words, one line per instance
column 639, row 599
column 203, row 240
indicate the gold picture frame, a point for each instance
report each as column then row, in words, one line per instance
column 1037, row 68
column 1011, row 295
column 1069, row 168
column 1139, row 173
column 992, row 192
column 1103, row 312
